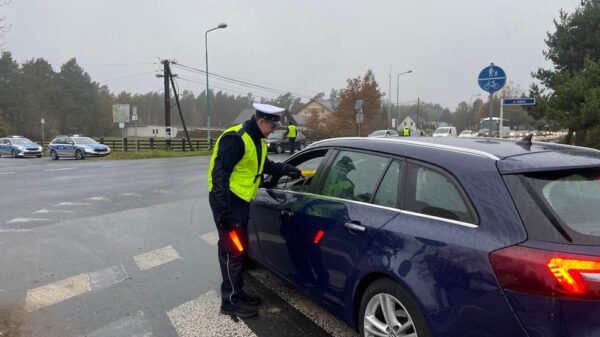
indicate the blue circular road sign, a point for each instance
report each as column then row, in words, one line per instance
column 492, row 78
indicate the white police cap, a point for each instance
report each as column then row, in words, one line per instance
column 268, row 112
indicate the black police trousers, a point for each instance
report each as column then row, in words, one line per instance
column 231, row 260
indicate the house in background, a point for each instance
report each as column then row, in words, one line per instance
column 409, row 122
column 323, row 107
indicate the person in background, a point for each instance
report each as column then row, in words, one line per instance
column 291, row 134
column 235, row 171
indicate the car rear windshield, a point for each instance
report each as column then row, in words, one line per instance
column 84, row 140
column 568, row 200
column 442, row 130
column 276, row 135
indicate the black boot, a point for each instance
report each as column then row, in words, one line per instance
column 242, row 311
column 252, row 300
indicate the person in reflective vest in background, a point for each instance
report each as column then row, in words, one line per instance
column 406, row 132
column 235, row 171
column 291, row 134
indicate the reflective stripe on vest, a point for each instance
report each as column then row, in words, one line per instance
column 245, row 178
column 291, row 131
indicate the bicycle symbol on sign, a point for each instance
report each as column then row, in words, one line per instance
column 491, row 85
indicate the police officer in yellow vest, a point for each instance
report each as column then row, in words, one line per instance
column 234, row 174
column 291, row 134
column 406, row 132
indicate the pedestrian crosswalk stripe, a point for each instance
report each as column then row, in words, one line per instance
column 56, row 292
column 156, row 257
column 212, row 238
column 135, row 325
column 201, row 318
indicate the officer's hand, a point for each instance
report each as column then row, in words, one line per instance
column 293, row 172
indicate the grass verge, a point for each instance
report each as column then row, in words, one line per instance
column 145, row 154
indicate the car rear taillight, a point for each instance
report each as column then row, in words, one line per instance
column 547, row 273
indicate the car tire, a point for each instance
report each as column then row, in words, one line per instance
column 40, row 156
column 79, row 155
column 14, row 154
column 53, row 155
column 408, row 320
column 301, row 147
column 279, row 149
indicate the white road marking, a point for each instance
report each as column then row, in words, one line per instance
column 70, row 287
column 201, row 318
column 114, row 165
column 161, row 191
column 21, row 220
column 135, row 325
column 98, row 198
column 7, row 172
column 131, row 194
column 67, row 203
column 312, row 311
column 44, row 211
column 212, row 238
column 156, row 257
column 15, row 230
column 61, row 169
column 57, row 292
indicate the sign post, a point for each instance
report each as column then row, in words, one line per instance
column 491, row 79
column 359, row 115
column 134, row 117
column 42, row 121
column 121, row 116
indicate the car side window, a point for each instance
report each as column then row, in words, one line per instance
column 309, row 163
column 354, row 176
column 387, row 193
column 433, row 193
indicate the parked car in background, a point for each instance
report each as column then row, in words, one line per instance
column 439, row 237
column 278, row 141
column 19, row 147
column 76, row 146
column 445, row 131
column 383, row 133
column 467, row 133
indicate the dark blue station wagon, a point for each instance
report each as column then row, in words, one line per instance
column 447, row 237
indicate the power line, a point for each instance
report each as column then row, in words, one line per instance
column 227, row 89
column 244, row 83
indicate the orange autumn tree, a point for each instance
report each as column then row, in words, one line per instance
column 343, row 121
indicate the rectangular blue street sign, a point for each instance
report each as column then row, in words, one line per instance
column 518, row 101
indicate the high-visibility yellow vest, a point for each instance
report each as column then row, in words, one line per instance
column 291, row 131
column 406, row 132
column 245, row 178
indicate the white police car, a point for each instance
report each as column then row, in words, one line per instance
column 18, row 147
column 76, row 146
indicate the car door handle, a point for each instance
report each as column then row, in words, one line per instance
column 355, row 227
column 287, row 212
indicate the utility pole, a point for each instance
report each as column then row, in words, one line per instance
column 166, row 76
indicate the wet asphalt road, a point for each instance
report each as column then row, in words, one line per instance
column 124, row 248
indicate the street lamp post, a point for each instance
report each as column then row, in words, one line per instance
column 471, row 108
column 220, row 26
column 398, row 91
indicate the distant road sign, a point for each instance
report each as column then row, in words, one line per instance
column 120, row 113
column 492, row 78
column 518, row 101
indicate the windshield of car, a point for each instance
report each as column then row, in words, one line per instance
column 378, row 133
column 84, row 140
column 21, row 141
column 574, row 197
column 466, row 132
column 442, row 130
column 276, row 135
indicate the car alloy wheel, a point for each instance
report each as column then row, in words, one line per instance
column 53, row 155
column 279, row 149
column 14, row 154
column 79, row 155
column 387, row 310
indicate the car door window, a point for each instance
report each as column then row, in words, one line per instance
column 354, row 176
column 434, row 193
column 309, row 163
column 387, row 193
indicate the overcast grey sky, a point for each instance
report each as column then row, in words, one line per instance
column 304, row 46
